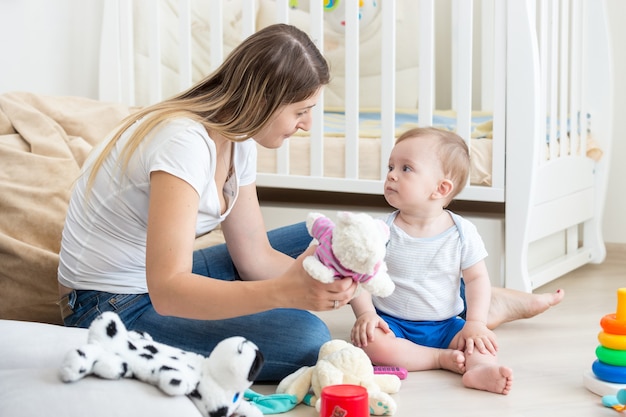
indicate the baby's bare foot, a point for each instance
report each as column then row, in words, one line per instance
column 452, row 360
column 508, row 305
column 492, row 378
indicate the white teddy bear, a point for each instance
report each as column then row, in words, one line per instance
column 354, row 247
column 215, row 384
column 340, row 362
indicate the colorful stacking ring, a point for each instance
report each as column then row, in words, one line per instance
column 611, row 356
column 610, row 324
column 612, row 341
column 609, row 373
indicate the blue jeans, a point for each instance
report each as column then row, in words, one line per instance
column 288, row 338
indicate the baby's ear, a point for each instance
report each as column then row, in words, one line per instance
column 444, row 189
column 344, row 215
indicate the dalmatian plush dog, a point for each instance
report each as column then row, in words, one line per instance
column 216, row 384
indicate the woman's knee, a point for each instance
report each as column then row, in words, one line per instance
column 293, row 342
column 291, row 240
column 307, row 330
column 315, row 332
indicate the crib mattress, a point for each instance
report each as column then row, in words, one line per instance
column 369, row 158
column 481, row 144
column 370, row 146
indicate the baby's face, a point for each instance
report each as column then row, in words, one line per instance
column 414, row 172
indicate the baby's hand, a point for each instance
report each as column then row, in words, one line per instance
column 475, row 334
column 364, row 326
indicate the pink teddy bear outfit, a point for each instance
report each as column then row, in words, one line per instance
column 322, row 230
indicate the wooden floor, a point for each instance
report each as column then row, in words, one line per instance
column 548, row 353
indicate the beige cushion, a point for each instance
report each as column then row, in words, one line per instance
column 43, row 143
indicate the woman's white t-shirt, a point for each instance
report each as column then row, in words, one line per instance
column 104, row 239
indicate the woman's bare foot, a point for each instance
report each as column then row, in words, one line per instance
column 508, row 305
column 452, row 360
column 492, row 378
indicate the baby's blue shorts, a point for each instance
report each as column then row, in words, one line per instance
column 436, row 334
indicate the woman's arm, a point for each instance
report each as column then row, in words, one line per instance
column 174, row 290
column 245, row 234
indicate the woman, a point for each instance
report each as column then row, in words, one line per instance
column 177, row 169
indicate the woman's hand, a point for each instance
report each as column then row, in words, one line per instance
column 299, row 290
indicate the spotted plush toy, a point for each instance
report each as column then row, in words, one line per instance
column 216, row 384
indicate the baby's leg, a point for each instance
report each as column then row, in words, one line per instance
column 508, row 305
column 388, row 350
column 484, row 373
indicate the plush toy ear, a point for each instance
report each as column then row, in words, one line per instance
column 255, row 368
column 310, row 220
column 297, row 383
column 344, row 215
column 384, row 229
column 332, row 346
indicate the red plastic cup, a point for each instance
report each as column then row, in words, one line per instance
column 344, row 401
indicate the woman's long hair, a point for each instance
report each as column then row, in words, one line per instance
column 276, row 66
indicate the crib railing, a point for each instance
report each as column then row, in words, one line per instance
column 550, row 98
column 117, row 49
column 477, row 64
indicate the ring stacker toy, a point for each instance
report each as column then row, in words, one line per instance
column 611, row 356
column 616, row 323
column 612, row 341
column 608, row 372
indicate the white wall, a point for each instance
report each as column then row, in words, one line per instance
column 51, row 47
column 614, row 223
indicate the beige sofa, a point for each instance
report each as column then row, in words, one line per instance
column 43, row 143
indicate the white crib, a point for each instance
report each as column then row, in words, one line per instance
column 526, row 82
